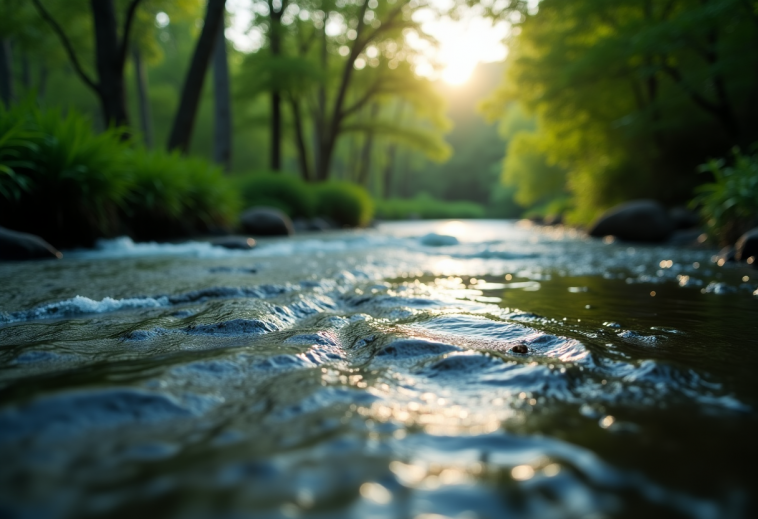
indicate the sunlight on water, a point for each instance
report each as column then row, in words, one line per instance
column 518, row 373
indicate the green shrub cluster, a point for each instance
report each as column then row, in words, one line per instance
column 426, row 207
column 345, row 203
column 729, row 204
column 287, row 193
column 62, row 181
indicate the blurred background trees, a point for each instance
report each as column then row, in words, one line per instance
column 598, row 102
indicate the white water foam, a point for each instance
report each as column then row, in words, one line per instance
column 80, row 305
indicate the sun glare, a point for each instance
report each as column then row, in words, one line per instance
column 458, row 72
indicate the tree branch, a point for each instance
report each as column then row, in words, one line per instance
column 130, row 12
column 360, row 103
column 67, row 45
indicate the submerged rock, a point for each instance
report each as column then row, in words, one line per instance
column 747, row 246
column 234, row 242
column 520, row 348
column 22, row 246
column 266, row 221
column 438, row 240
column 638, row 220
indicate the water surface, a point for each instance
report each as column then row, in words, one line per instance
column 365, row 374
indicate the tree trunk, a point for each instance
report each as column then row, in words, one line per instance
column 391, row 152
column 181, row 131
column 320, row 119
column 222, row 129
column 275, row 41
column 140, row 76
column 388, row 170
column 42, row 88
column 26, row 74
column 110, row 71
column 368, row 145
column 6, row 72
column 302, row 150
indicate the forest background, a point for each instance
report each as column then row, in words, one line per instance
column 598, row 102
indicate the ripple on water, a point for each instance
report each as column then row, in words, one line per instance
column 69, row 414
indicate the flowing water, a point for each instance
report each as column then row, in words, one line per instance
column 371, row 374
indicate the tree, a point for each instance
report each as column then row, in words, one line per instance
column 184, row 121
column 631, row 95
column 328, row 77
column 110, row 55
column 222, row 131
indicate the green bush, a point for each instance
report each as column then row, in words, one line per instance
column 70, row 183
column 426, row 207
column 174, row 196
column 729, row 204
column 346, row 203
column 62, row 181
column 285, row 192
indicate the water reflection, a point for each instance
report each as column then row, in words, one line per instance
column 381, row 379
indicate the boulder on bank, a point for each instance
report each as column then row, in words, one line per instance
column 684, row 218
column 747, row 245
column 22, row 246
column 638, row 220
column 266, row 221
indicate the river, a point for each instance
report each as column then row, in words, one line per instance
column 523, row 372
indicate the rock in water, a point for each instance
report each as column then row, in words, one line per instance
column 21, row 246
column 638, row 220
column 266, row 221
column 747, row 245
column 438, row 240
column 234, row 242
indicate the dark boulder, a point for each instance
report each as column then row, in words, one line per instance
column 639, row 220
column 684, row 218
column 266, row 221
column 21, row 246
column 747, row 245
column 234, row 242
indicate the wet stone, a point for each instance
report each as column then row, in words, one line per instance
column 520, row 348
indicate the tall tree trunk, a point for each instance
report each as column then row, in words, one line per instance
column 302, row 149
column 140, row 76
column 389, row 169
column 184, row 122
column 320, row 119
column 368, row 145
column 334, row 126
column 391, row 152
column 275, row 41
column 26, row 74
column 42, row 88
column 112, row 91
column 222, row 122
column 353, row 159
column 6, row 72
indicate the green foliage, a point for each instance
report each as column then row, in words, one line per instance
column 629, row 97
column 285, row 192
column 346, row 203
column 526, row 168
column 426, row 207
column 73, row 186
column 729, row 204
column 172, row 195
column 62, row 181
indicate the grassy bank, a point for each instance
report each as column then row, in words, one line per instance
column 425, row 207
